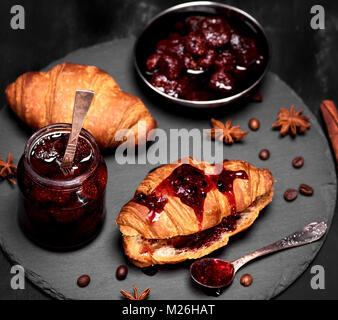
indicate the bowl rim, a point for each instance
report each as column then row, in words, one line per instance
column 204, row 103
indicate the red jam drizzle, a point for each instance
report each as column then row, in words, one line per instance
column 224, row 183
column 154, row 202
column 191, row 186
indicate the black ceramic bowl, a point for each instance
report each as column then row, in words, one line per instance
column 160, row 27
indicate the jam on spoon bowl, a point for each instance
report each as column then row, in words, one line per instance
column 161, row 26
column 212, row 273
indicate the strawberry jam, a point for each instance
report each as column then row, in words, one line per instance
column 224, row 183
column 204, row 238
column 61, row 210
column 46, row 157
column 219, row 57
column 191, row 185
column 194, row 241
column 213, row 273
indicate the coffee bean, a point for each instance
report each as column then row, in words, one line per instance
column 305, row 190
column 83, row 281
column 298, row 162
column 121, row 272
column 246, row 280
column 290, row 194
column 254, row 124
column 150, row 271
column 264, row 154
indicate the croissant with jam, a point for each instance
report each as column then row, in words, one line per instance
column 187, row 210
column 42, row 98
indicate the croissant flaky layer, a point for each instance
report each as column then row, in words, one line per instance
column 43, row 98
column 179, row 218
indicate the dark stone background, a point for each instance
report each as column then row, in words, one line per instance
column 306, row 59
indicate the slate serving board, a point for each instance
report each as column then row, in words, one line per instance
column 56, row 273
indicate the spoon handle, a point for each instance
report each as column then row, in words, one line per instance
column 310, row 233
column 83, row 100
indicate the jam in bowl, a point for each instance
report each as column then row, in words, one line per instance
column 60, row 210
column 202, row 54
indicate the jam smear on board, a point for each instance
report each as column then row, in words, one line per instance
column 191, row 186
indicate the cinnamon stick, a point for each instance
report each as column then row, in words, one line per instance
column 330, row 115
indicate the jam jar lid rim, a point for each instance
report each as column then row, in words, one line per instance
column 68, row 184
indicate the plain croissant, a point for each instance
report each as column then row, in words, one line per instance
column 42, row 98
column 156, row 242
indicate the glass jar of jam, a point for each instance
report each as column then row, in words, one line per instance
column 61, row 210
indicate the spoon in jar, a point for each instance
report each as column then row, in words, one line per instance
column 212, row 273
column 83, row 100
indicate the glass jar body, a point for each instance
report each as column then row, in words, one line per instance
column 62, row 214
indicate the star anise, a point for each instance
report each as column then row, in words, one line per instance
column 8, row 169
column 144, row 295
column 226, row 132
column 291, row 122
